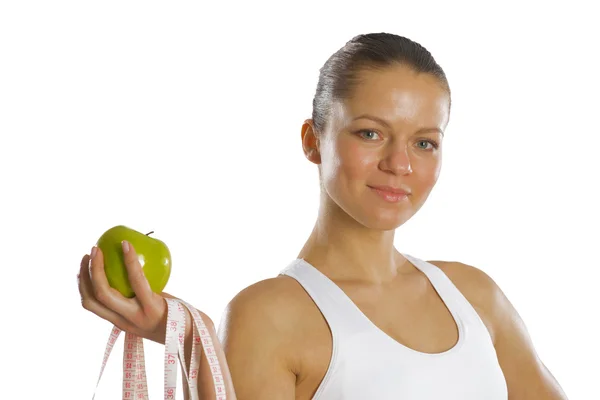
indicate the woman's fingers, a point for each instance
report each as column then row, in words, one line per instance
column 89, row 302
column 137, row 279
column 106, row 295
column 83, row 273
column 145, row 315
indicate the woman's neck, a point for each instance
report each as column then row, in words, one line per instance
column 345, row 250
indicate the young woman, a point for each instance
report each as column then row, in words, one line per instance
column 351, row 317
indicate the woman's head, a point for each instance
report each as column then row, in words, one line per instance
column 381, row 106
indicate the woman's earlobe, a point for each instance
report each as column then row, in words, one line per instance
column 310, row 142
column 313, row 155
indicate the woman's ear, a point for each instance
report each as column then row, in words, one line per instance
column 310, row 142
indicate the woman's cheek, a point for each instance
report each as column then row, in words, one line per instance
column 356, row 160
column 424, row 175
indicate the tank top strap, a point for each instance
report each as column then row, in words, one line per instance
column 452, row 297
column 339, row 311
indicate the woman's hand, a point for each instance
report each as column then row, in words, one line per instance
column 144, row 315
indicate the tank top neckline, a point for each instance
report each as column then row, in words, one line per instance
column 451, row 306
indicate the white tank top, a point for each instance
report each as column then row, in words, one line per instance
column 367, row 364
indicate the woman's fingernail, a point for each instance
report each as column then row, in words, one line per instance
column 93, row 252
column 125, row 246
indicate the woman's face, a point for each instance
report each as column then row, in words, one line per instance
column 388, row 133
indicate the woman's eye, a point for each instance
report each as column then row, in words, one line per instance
column 426, row 142
column 365, row 134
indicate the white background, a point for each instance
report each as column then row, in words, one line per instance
column 185, row 118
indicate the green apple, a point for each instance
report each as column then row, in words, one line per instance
column 153, row 255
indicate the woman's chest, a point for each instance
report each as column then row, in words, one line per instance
column 419, row 320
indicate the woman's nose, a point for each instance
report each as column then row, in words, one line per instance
column 397, row 160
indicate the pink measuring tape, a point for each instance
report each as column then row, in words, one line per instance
column 134, row 367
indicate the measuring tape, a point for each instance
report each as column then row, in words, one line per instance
column 134, row 367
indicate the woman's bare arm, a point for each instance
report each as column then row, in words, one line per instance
column 256, row 334
column 526, row 375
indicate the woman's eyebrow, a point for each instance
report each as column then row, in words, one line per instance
column 386, row 124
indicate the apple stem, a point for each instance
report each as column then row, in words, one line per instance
column 149, row 233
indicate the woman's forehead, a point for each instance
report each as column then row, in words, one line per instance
column 420, row 100
column 396, row 93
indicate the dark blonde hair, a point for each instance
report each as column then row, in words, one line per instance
column 339, row 74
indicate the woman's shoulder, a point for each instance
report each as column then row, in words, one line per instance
column 263, row 319
column 273, row 304
column 480, row 290
column 474, row 281
column 273, row 293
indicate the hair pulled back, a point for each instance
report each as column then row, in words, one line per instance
column 339, row 75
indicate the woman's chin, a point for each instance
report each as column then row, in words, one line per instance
column 385, row 221
column 387, row 225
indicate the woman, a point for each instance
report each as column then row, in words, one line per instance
column 351, row 317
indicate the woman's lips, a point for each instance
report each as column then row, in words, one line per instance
column 391, row 196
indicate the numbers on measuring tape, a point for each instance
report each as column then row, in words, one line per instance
column 171, row 359
column 134, row 371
